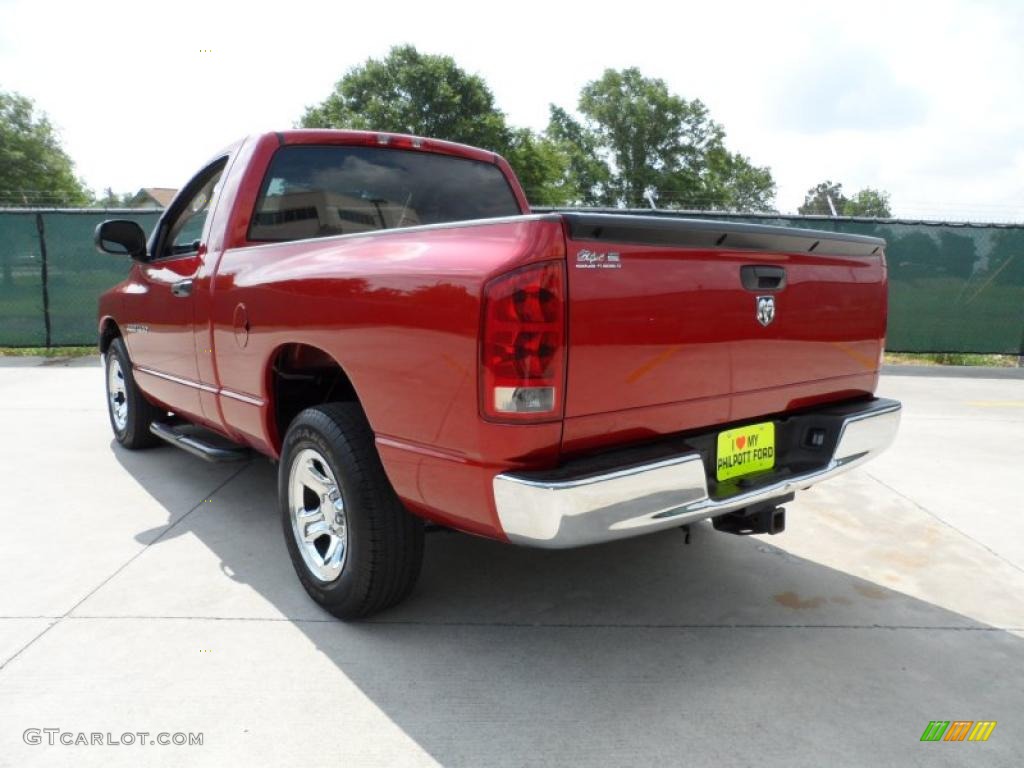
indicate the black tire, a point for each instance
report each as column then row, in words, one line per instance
column 384, row 542
column 134, row 432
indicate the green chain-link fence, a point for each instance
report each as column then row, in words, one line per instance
column 51, row 275
column 953, row 287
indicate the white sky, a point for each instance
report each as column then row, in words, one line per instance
column 925, row 100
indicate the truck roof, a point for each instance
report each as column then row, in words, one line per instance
column 384, row 139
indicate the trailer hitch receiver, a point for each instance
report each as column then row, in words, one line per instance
column 768, row 517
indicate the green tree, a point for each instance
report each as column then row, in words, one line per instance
column 542, row 166
column 735, row 184
column 412, row 92
column 637, row 144
column 868, row 202
column 34, row 168
column 587, row 174
column 816, row 201
column 111, row 199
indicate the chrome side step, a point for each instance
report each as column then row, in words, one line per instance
column 199, row 442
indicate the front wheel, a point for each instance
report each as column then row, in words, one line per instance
column 355, row 547
column 129, row 410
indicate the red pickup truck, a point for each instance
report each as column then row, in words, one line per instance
column 384, row 317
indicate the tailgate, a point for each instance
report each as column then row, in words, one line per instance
column 678, row 324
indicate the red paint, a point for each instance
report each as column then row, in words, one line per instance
column 667, row 343
column 670, row 342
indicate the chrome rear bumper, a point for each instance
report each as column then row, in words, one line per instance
column 556, row 511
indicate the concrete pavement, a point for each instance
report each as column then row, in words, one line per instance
column 152, row 592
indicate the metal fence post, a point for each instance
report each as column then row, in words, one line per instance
column 46, row 291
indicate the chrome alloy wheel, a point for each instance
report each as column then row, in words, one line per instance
column 318, row 515
column 117, row 393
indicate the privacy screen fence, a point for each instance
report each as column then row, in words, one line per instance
column 52, row 274
column 953, row 287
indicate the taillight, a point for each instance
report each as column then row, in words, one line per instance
column 522, row 356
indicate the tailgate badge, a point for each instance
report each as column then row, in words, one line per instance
column 765, row 309
column 587, row 259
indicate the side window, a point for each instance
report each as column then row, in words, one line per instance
column 186, row 229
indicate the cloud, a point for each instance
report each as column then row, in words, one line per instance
column 923, row 101
column 924, row 105
column 850, row 91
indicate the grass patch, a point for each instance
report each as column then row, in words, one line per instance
column 47, row 351
column 951, row 358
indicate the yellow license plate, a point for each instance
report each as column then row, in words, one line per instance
column 745, row 450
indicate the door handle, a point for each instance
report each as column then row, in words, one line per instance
column 182, row 288
column 762, row 277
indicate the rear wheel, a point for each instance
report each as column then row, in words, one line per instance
column 129, row 410
column 355, row 547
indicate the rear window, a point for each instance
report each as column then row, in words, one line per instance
column 322, row 191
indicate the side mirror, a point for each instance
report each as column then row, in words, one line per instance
column 121, row 237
